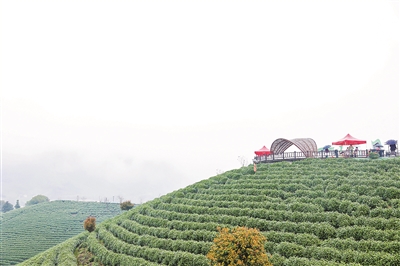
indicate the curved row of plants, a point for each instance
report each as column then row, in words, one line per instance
column 61, row 254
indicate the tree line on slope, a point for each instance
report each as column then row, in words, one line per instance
column 6, row 206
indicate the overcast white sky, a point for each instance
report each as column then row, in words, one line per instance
column 101, row 99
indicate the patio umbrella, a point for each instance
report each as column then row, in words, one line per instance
column 349, row 140
column 263, row 151
column 391, row 142
column 377, row 141
column 324, row 148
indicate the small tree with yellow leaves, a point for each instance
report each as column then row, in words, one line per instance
column 238, row 246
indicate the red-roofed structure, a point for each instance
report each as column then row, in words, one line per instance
column 349, row 140
column 263, row 151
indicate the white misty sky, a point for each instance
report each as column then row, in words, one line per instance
column 101, row 99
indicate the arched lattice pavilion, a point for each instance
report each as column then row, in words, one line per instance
column 306, row 145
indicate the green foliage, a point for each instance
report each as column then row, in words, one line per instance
column 36, row 200
column 84, row 256
column 90, row 224
column 30, row 230
column 179, row 194
column 313, row 212
column 61, row 254
column 238, row 246
column 6, row 207
column 126, row 205
column 373, row 155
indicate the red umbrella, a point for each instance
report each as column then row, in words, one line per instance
column 349, row 140
column 263, row 151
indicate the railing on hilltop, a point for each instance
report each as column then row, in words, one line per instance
column 298, row 155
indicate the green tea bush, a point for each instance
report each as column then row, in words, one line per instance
column 373, row 155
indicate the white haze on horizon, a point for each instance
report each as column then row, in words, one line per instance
column 101, row 99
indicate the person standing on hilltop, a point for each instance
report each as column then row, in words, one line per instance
column 326, row 153
column 393, row 149
column 351, row 148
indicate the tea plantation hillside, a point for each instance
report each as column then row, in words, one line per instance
column 28, row 231
column 313, row 212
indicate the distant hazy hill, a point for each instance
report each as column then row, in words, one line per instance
column 28, row 231
column 320, row 212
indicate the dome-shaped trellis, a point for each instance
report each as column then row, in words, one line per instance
column 306, row 145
